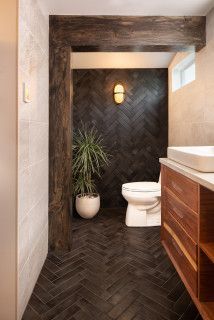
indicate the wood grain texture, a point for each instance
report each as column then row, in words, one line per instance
column 143, row 33
column 206, row 215
column 184, row 188
column 163, row 199
column 203, row 226
column 206, row 309
column 179, row 255
column 190, row 246
column 206, row 278
column 185, row 216
column 206, row 251
column 142, row 48
column 60, row 153
column 134, row 133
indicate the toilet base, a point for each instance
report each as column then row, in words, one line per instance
column 137, row 216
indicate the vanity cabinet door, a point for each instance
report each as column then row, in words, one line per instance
column 178, row 256
column 190, row 246
column 185, row 189
column 186, row 217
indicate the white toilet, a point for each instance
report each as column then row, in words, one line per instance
column 144, row 203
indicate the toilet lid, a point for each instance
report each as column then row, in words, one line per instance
column 142, row 186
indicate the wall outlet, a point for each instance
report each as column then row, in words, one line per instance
column 26, row 93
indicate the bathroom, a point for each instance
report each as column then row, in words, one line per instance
column 146, row 252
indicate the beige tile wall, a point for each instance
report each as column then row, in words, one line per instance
column 191, row 108
column 33, row 148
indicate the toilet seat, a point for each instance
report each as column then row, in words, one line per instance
column 141, row 186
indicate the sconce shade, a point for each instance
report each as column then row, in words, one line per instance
column 119, row 93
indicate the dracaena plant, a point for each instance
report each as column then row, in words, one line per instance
column 89, row 157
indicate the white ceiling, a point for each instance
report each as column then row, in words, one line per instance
column 128, row 7
column 124, row 60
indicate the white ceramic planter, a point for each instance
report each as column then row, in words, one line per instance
column 88, row 205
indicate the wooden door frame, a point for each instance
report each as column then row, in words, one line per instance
column 97, row 33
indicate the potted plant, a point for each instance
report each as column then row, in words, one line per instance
column 89, row 157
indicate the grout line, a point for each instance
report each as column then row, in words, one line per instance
column 35, row 38
column 40, row 122
column 33, row 249
column 25, row 167
column 37, row 162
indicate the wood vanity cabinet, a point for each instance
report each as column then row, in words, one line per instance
column 187, row 234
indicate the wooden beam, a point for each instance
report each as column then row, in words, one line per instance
column 115, row 33
column 60, row 151
column 104, row 48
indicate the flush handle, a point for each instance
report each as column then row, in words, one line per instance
column 176, row 187
column 175, row 210
column 177, row 247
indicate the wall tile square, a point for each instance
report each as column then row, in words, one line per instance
column 37, row 257
column 38, row 219
column 23, row 143
column 38, row 182
column 38, row 142
column 24, row 244
column 23, row 289
column 23, row 195
column 208, row 128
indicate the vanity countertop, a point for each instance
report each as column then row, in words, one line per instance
column 204, row 179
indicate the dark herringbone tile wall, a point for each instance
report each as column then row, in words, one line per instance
column 135, row 133
column 113, row 272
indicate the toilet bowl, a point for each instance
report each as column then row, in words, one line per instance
column 144, row 203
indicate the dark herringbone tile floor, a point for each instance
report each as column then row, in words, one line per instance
column 112, row 272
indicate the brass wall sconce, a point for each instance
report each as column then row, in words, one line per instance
column 119, row 93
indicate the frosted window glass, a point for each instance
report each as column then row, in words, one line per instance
column 184, row 72
column 188, row 74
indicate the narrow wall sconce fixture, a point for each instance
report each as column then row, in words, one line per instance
column 119, row 93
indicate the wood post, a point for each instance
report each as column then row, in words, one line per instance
column 60, row 150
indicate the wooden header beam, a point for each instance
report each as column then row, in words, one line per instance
column 129, row 33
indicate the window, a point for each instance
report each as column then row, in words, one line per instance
column 184, row 72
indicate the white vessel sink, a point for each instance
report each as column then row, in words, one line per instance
column 198, row 158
